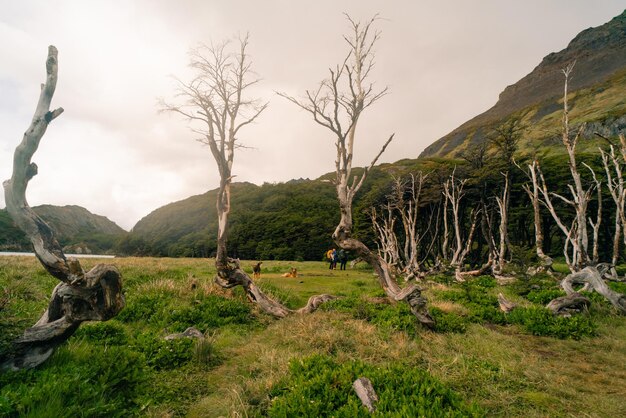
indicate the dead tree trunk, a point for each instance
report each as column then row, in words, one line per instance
column 215, row 102
column 339, row 110
column 591, row 278
column 95, row 295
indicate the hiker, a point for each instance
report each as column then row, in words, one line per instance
column 329, row 257
column 343, row 259
column 334, row 259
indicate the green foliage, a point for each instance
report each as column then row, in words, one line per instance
column 106, row 333
column 396, row 317
column 212, row 311
column 474, row 295
column 448, row 322
column 319, row 387
column 163, row 354
column 149, row 307
column 540, row 321
column 83, row 382
column 544, row 296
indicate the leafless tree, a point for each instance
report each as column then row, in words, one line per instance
column 95, row 295
column 505, row 137
column 214, row 102
column 534, row 194
column 403, row 204
column 613, row 168
column 338, row 104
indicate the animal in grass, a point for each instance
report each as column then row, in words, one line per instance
column 291, row 273
column 256, row 270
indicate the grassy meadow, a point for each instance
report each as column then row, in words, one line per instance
column 479, row 362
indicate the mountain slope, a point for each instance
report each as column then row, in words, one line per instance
column 600, row 55
column 286, row 221
column 77, row 229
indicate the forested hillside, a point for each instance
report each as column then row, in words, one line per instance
column 77, row 229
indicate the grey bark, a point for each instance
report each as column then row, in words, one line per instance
column 81, row 296
column 216, row 104
column 339, row 111
column 366, row 393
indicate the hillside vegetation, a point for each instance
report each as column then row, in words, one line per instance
column 77, row 230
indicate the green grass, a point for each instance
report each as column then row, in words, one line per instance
column 242, row 367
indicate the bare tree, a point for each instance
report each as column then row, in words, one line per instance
column 95, row 295
column 505, row 138
column 338, row 104
column 215, row 103
column 613, row 167
column 532, row 173
column 403, row 253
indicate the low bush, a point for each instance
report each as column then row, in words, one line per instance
column 448, row 322
column 164, row 354
column 86, row 382
column 317, row 386
column 541, row 321
column 106, row 333
column 211, row 311
column 544, row 296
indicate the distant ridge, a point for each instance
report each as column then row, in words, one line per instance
column 77, row 229
column 600, row 55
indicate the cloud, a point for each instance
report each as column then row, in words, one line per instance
column 113, row 153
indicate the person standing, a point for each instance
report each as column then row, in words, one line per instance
column 343, row 259
column 329, row 257
column 334, row 262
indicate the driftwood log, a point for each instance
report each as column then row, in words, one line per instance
column 95, row 295
column 591, row 279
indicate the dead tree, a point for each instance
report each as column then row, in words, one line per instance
column 384, row 223
column 214, row 102
column 403, row 204
column 615, row 183
column 532, row 173
column 338, row 104
column 505, row 138
column 81, row 296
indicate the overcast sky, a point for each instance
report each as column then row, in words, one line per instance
column 113, row 153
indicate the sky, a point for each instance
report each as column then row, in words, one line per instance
column 115, row 154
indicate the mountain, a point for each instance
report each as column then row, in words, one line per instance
column 286, row 221
column 77, row 230
column 597, row 87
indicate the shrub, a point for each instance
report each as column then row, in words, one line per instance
column 88, row 382
column 212, row 311
column 448, row 322
column 544, row 296
column 164, row 354
column 319, row 387
column 540, row 321
column 148, row 307
column 109, row 333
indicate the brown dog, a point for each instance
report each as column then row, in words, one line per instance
column 293, row 273
column 256, row 270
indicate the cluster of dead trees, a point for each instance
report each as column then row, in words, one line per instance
column 418, row 236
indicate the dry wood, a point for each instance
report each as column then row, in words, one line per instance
column 215, row 102
column 566, row 305
column 339, row 111
column 506, row 306
column 366, row 393
column 95, row 295
column 591, row 278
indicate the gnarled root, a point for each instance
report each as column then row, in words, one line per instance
column 591, row 279
column 96, row 298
